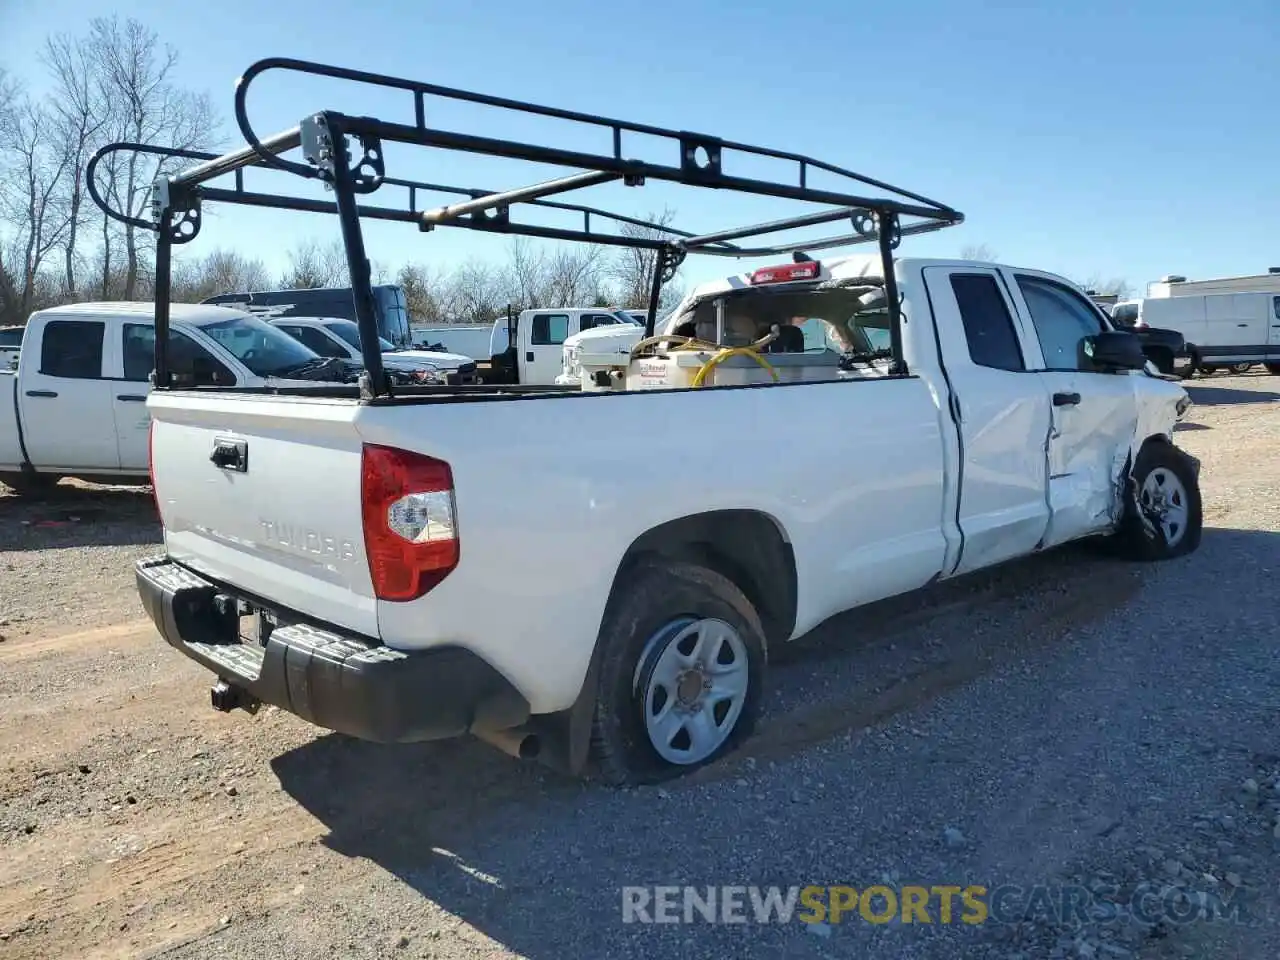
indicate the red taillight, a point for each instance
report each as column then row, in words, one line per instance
column 410, row 529
column 784, row 273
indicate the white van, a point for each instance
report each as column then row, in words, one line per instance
column 1221, row 330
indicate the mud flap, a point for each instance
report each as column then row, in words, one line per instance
column 566, row 735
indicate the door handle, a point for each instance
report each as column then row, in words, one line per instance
column 131, row 397
column 529, row 356
column 230, row 454
column 42, row 393
column 1066, row 399
column 1241, row 324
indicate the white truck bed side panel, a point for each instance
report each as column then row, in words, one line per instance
column 851, row 472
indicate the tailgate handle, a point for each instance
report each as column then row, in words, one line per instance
column 230, row 454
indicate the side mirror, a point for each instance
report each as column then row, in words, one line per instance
column 1115, row 350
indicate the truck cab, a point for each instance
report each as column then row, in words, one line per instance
column 529, row 348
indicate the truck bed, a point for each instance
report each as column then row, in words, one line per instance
column 544, row 516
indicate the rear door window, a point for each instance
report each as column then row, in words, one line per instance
column 988, row 325
column 72, row 349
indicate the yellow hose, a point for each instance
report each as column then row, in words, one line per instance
column 728, row 352
column 724, row 353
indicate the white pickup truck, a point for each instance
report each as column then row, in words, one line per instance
column 337, row 337
column 410, row 596
column 415, row 564
column 76, row 403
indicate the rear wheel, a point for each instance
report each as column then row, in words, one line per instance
column 1239, row 367
column 1162, row 517
column 1163, row 361
column 681, row 674
column 1273, row 368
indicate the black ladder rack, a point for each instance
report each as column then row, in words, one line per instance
column 325, row 141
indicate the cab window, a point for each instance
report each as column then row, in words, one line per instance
column 72, row 349
column 190, row 364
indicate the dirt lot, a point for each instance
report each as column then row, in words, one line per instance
column 1072, row 719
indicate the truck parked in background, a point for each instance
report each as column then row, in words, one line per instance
column 1231, row 331
column 389, row 306
column 76, row 404
column 333, row 337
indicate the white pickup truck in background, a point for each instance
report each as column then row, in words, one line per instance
column 336, row 337
column 76, row 404
column 411, row 596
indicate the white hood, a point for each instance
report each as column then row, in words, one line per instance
column 619, row 338
column 451, row 360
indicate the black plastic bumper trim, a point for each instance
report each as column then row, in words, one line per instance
column 336, row 680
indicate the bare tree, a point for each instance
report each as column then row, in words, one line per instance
column 80, row 113
column 1113, row 286
column 528, row 275
column 977, row 251
column 480, row 290
column 29, row 194
column 135, row 71
column 312, row 265
column 632, row 268
column 564, row 277
column 431, row 296
column 222, row 271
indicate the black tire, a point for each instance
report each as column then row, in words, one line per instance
column 1239, row 368
column 1273, row 368
column 1189, row 370
column 1163, row 361
column 1140, row 540
column 640, row 622
column 30, row 484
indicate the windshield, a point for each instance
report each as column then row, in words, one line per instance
column 262, row 348
column 350, row 332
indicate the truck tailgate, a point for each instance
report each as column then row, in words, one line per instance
column 262, row 493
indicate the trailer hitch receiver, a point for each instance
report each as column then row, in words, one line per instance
column 226, row 697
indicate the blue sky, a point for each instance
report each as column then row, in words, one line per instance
column 1090, row 137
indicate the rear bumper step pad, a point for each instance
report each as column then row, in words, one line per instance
column 350, row 684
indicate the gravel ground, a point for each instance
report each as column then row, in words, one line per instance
column 1071, row 722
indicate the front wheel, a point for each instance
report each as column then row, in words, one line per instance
column 681, row 674
column 1238, row 368
column 1162, row 517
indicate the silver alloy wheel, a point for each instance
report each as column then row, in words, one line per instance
column 1164, row 500
column 696, row 689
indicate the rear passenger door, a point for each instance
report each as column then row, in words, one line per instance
column 65, row 399
column 1095, row 412
column 1002, row 414
column 544, row 357
column 190, row 364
